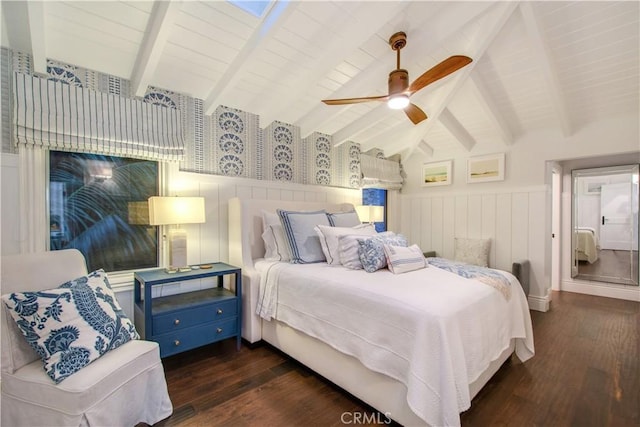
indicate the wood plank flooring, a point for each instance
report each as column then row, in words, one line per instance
column 585, row 373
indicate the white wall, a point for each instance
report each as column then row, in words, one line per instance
column 513, row 220
column 9, row 220
column 207, row 242
column 515, row 212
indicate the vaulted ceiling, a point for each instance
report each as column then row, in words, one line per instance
column 536, row 65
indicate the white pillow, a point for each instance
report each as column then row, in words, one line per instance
column 472, row 251
column 299, row 230
column 329, row 238
column 275, row 243
column 269, row 218
column 402, row 260
column 348, row 251
column 344, row 219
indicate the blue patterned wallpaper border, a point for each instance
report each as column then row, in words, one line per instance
column 230, row 142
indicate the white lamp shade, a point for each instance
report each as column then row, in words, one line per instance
column 369, row 213
column 176, row 210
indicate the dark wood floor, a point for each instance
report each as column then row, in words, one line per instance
column 585, row 373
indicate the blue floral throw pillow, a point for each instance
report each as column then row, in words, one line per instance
column 371, row 250
column 73, row 325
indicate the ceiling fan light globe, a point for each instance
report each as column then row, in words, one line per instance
column 398, row 102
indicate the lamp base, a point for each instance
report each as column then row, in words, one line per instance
column 177, row 250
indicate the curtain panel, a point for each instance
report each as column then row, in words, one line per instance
column 60, row 116
column 380, row 173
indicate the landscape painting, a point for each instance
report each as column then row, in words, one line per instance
column 437, row 173
column 485, row 168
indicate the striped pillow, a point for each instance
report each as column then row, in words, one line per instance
column 348, row 251
column 403, row 260
column 299, row 230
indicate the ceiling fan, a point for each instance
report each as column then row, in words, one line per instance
column 399, row 88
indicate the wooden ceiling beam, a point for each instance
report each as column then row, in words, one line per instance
column 436, row 31
column 35, row 16
column 494, row 23
column 542, row 56
column 489, row 107
column 369, row 16
column 277, row 14
column 24, row 28
column 350, row 131
column 163, row 17
column 456, row 129
column 425, row 148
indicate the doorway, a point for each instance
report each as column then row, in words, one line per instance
column 605, row 224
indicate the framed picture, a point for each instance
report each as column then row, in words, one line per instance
column 437, row 173
column 485, row 168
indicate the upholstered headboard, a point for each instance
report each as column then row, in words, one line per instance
column 246, row 245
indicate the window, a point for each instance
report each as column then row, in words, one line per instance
column 256, row 8
column 376, row 197
column 98, row 205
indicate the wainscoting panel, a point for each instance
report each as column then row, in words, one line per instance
column 210, row 241
column 514, row 221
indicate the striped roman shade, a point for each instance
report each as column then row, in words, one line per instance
column 60, row 116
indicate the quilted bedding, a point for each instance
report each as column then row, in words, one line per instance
column 431, row 329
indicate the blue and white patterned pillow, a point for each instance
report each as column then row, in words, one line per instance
column 304, row 243
column 371, row 250
column 73, row 325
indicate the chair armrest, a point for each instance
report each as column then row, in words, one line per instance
column 429, row 254
column 520, row 269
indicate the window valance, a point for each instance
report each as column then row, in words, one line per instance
column 64, row 117
column 380, row 173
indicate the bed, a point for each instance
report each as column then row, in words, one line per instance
column 587, row 244
column 427, row 386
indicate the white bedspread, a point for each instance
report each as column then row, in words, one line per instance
column 588, row 244
column 434, row 331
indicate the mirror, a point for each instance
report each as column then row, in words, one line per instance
column 604, row 240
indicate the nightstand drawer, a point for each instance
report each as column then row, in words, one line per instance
column 181, row 319
column 186, row 320
column 188, row 338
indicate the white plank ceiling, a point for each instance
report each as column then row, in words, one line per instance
column 536, row 65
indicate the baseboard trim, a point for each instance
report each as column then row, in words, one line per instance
column 608, row 290
column 539, row 303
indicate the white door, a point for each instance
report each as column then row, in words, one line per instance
column 615, row 220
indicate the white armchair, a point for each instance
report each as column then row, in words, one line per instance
column 124, row 387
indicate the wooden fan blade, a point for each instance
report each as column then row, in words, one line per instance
column 355, row 100
column 415, row 114
column 443, row 69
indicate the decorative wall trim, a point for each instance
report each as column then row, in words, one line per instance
column 539, row 303
column 513, row 220
column 608, row 290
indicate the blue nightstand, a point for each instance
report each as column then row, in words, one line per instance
column 188, row 320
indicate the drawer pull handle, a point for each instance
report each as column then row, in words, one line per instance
column 176, row 343
column 219, row 311
column 176, row 322
column 219, row 330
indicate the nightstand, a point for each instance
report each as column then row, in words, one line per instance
column 188, row 320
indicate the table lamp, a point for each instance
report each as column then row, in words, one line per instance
column 370, row 213
column 176, row 211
